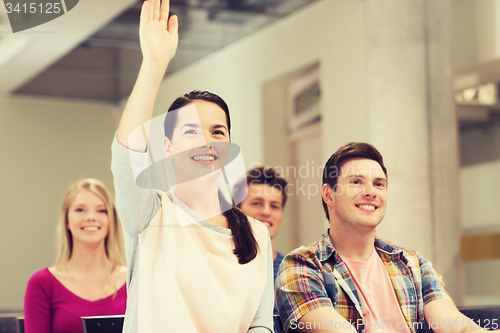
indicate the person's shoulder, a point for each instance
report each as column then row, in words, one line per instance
column 260, row 232
column 279, row 256
column 305, row 258
column 121, row 270
column 304, row 253
column 309, row 249
column 120, row 275
column 412, row 257
column 257, row 226
column 40, row 278
column 41, row 274
column 391, row 248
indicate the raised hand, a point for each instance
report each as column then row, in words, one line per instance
column 158, row 34
column 159, row 41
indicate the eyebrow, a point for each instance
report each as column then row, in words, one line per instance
column 194, row 125
column 84, row 205
column 219, row 126
column 362, row 176
column 262, row 199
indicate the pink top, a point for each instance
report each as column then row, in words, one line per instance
column 49, row 307
column 381, row 310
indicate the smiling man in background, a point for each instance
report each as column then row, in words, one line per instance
column 264, row 201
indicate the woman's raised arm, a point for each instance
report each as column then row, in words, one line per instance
column 159, row 38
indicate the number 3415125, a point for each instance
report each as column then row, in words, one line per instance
column 33, row 8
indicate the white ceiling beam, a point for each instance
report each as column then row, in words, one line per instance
column 25, row 54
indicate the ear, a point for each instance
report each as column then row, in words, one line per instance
column 167, row 146
column 327, row 194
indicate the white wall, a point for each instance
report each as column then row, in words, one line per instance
column 476, row 39
column 46, row 144
column 476, row 31
column 480, row 190
column 328, row 32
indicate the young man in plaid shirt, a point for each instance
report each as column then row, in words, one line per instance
column 352, row 281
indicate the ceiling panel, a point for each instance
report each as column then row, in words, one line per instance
column 105, row 66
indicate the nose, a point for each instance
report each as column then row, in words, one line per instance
column 266, row 210
column 207, row 137
column 205, row 141
column 369, row 191
column 90, row 216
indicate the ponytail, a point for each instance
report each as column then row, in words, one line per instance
column 245, row 244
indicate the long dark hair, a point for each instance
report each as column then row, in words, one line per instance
column 245, row 244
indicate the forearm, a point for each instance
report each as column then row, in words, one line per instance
column 323, row 319
column 158, row 47
column 443, row 316
column 140, row 105
column 461, row 324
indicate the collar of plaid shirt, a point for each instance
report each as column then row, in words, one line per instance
column 401, row 275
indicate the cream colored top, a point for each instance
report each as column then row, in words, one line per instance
column 173, row 291
column 186, row 279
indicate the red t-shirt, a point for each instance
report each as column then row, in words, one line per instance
column 51, row 308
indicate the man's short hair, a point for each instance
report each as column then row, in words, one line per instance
column 263, row 175
column 351, row 150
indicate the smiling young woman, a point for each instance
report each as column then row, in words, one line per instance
column 196, row 263
column 89, row 276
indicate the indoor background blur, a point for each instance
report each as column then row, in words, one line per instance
column 419, row 79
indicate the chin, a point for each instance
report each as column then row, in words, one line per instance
column 371, row 224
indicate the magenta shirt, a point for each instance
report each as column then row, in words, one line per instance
column 51, row 308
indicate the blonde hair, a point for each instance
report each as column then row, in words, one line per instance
column 113, row 242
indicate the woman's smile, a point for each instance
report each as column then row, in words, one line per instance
column 204, row 158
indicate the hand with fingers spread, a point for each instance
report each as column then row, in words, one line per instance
column 159, row 38
column 158, row 34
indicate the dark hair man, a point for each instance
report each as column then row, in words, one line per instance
column 350, row 280
column 264, row 201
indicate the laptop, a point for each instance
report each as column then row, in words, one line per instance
column 103, row 324
column 9, row 322
column 486, row 317
column 20, row 324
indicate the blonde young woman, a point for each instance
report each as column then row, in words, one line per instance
column 196, row 263
column 89, row 276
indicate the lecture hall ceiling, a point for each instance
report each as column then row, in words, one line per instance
column 104, row 67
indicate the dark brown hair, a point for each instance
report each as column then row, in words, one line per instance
column 333, row 166
column 264, row 175
column 245, row 244
column 189, row 98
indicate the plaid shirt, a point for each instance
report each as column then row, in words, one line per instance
column 315, row 276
